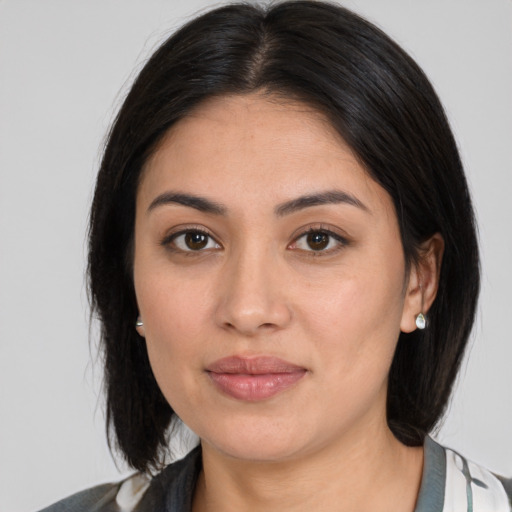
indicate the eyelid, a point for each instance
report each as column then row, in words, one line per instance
column 321, row 228
column 168, row 238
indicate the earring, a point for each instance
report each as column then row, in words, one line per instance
column 421, row 321
column 139, row 323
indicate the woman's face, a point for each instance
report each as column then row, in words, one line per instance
column 270, row 278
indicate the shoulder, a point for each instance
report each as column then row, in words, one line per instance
column 124, row 495
column 507, row 485
column 138, row 493
column 101, row 497
column 474, row 486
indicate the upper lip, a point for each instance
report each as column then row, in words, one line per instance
column 259, row 365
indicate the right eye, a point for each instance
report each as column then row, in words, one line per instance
column 193, row 241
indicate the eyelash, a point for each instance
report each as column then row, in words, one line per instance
column 341, row 241
column 169, row 241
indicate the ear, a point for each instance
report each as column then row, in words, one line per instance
column 423, row 282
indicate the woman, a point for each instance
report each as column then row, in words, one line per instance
column 283, row 255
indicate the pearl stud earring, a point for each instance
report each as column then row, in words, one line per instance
column 421, row 321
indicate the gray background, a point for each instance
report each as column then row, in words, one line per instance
column 62, row 67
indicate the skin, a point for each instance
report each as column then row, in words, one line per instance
column 257, row 288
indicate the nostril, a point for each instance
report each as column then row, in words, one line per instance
column 261, row 327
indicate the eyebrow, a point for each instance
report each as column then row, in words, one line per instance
column 198, row 203
column 208, row 206
column 329, row 197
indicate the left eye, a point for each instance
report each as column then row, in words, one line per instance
column 317, row 241
column 194, row 241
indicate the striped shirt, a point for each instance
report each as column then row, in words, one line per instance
column 450, row 483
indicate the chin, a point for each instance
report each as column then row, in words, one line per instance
column 258, row 441
column 263, row 452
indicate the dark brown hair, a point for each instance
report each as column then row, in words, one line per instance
column 383, row 106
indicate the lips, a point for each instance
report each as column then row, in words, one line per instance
column 253, row 379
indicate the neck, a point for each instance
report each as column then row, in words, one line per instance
column 361, row 472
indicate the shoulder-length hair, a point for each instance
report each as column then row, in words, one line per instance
column 382, row 105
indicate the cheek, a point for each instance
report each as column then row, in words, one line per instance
column 175, row 328
column 355, row 317
column 168, row 297
column 355, row 328
column 172, row 309
column 175, row 313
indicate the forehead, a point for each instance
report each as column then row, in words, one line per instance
column 256, row 149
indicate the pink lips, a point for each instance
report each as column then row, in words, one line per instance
column 253, row 379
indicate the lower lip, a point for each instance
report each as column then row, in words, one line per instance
column 253, row 388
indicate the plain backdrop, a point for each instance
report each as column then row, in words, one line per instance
column 64, row 67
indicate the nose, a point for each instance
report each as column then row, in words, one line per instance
column 253, row 295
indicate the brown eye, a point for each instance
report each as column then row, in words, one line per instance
column 193, row 241
column 196, row 241
column 317, row 241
